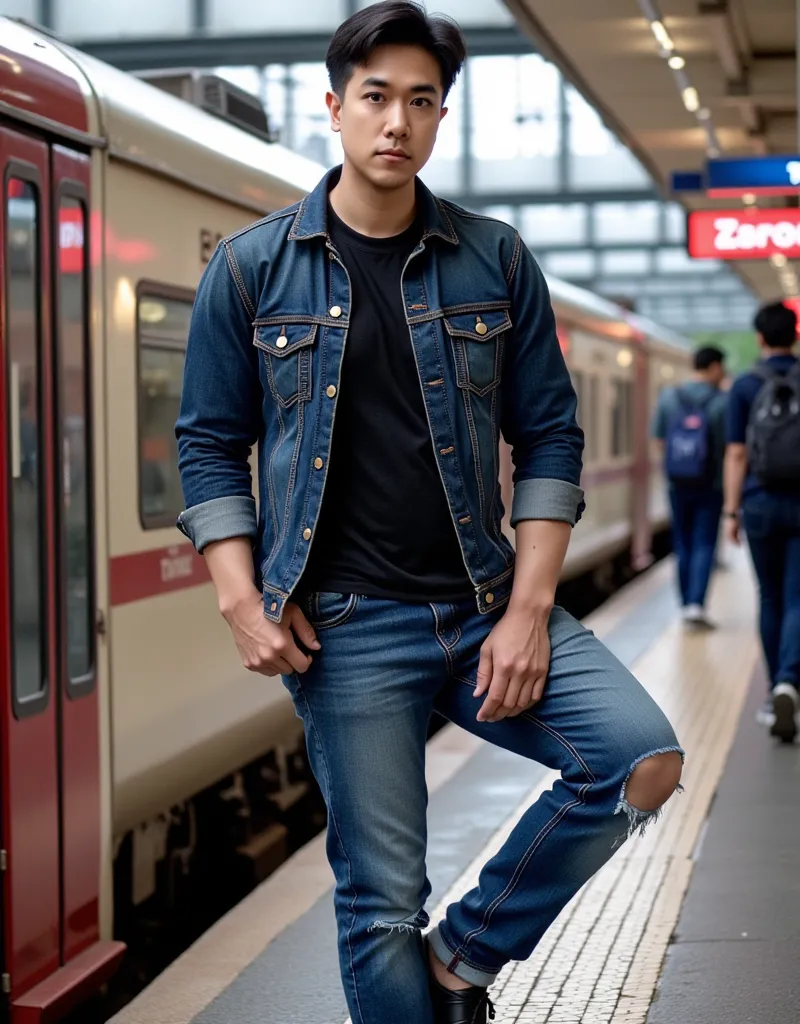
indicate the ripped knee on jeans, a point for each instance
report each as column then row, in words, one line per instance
column 651, row 781
column 412, row 923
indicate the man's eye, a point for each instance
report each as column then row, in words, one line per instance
column 374, row 97
column 421, row 101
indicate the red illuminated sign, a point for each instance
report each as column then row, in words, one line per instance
column 744, row 234
column 70, row 240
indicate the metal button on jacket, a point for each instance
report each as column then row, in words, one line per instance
column 481, row 327
column 336, row 311
column 330, row 391
column 306, row 534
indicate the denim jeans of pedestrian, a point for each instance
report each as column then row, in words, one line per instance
column 695, row 527
column 772, row 524
column 366, row 703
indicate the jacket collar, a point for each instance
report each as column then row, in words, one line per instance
column 311, row 220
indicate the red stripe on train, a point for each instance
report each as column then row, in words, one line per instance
column 150, row 573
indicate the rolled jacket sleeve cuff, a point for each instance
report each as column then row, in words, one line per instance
column 219, row 519
column 547, row 499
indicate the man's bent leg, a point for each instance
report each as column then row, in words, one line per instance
column 619, row 762
column 366, row 703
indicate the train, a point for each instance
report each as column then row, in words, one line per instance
column 130, row 735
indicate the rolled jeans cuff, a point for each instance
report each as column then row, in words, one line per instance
column 546, row 499
column 219, row 519
column 451, row 960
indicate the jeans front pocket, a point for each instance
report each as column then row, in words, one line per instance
column 327, row 609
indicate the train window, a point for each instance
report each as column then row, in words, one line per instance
column 621, row 417
column 25, row 428
column 163, row 330
column 73, row 374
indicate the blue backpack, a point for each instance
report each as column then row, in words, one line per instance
column 689, row 451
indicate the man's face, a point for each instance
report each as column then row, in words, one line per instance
column 389, row 114
column 716, row 373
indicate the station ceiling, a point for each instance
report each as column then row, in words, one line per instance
column 739, row 56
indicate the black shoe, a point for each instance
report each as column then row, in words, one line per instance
column 468, row 1006
column 784, row 706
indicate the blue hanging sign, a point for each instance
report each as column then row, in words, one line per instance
column 760, row 175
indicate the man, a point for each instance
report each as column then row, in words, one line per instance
column 690, row 424
column 762, row 492
column 422, row 330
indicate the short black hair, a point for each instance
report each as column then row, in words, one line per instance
column 706, row 357
column 777, row 325
column 398, row 23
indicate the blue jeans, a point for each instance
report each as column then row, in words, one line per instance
column 772, row 524
column 695, row 527
column 366, row 702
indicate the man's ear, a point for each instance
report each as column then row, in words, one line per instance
column 334, row 105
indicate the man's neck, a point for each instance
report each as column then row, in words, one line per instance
column 701, row 378
column 768, row 353
column 377, row 213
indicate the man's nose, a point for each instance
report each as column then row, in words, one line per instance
column 397, row 126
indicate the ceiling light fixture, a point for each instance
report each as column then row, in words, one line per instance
column 676, row 62
column 662, row 36
column 691, row 99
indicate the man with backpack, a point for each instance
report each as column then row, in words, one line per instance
column 762, row 493
column 690, row 423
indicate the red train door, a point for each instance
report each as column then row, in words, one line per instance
column 49, row 727
column 28, row 672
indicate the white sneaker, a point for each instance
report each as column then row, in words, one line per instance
column 785, row 702
column 694, row 615
column 765, row 714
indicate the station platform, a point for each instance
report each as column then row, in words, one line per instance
column 696, row 922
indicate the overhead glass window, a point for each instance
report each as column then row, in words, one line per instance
column 675, row 223
column 24, row 457
column 577, row 266
column 73, row 369
column 515, row 143
column 444, row 171
column 625, row 261
column 240, row 16
column 468, row 12
column 627, row 222
column 597, row 159
column 163, row 330
column 98, row 19
column 554, row 224
column 311, row 134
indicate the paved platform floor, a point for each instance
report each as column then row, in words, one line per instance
column 601, row 961
column 735, row 954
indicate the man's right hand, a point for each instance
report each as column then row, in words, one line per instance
column 268, row 647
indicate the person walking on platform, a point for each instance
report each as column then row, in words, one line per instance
column 374, row 575
column 762, row 493
column 690, row 423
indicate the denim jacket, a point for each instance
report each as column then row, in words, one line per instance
column 264, row 360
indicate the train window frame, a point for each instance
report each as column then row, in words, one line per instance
column 85, row 684
column 627, row 395
column 151, row 289
column 27, row 707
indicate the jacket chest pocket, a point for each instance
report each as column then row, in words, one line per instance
column 287, row 351
column 477, row 340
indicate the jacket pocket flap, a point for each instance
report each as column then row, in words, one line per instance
column 282, row 339
column 482, row 325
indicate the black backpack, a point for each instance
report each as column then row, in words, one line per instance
column 773, row 429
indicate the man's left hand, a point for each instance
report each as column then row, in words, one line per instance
column 513, row 666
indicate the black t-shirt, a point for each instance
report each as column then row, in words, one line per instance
column 385, row 528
